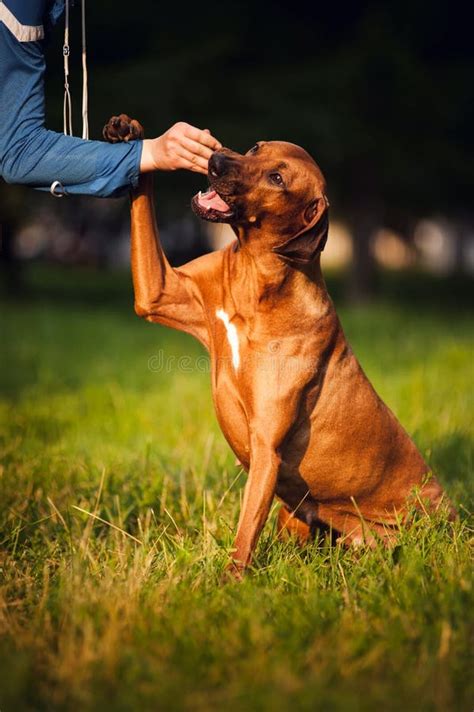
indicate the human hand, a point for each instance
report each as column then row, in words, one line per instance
column 182, row 146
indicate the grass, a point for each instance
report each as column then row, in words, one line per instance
column 119, row 499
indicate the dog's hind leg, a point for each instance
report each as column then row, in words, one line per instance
column 353, row 530
column 289, row 526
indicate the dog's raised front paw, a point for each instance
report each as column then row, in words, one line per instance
column 122, row 128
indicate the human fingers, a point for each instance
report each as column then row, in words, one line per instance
column 197, row 148
column 191, row 161
column 202, row 136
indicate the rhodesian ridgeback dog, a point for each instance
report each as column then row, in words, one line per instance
column 290, row 396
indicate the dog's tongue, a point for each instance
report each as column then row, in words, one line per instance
column 212, row 201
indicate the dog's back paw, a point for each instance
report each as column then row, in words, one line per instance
column 122, row 128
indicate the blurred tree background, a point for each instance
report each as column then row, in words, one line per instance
column 381, row 94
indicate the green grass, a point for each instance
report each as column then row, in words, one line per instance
column 134, row 617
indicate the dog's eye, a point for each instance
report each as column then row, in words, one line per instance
column 254, row 149
column 276, row 178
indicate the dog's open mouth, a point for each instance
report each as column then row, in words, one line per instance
column 210, row 206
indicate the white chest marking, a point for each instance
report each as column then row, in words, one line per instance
column 231, row 336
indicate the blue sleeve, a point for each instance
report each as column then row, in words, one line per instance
column 39, row 157
column 34, row 156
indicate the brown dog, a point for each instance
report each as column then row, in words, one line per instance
column 290, row 396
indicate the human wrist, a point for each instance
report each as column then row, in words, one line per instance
column 150, row 155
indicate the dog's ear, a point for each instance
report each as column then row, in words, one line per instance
column 303, row 248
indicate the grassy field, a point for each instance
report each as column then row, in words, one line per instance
column 119, row 498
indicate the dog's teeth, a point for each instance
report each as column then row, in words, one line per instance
column 199, row 194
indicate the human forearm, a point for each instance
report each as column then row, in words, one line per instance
column 82, row 167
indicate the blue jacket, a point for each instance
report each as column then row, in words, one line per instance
column 29, row 153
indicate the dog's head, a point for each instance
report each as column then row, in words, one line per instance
column 274, row 192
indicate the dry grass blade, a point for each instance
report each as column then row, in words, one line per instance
column 109, row 524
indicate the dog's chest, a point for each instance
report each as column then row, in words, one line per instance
column 235, row 364
column 228, row 362
column 262, row 348
column 228, row 339
column 240, row 347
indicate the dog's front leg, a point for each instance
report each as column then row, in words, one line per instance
column 162, row 294
column 271, row 419
column 258, row 495
column 273, row 410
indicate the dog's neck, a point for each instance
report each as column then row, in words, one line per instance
column 262, row 276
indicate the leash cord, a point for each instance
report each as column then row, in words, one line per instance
column 85, row 98
column 67, row 107
column 56, row 188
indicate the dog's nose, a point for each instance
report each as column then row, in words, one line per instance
column 218, row 164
